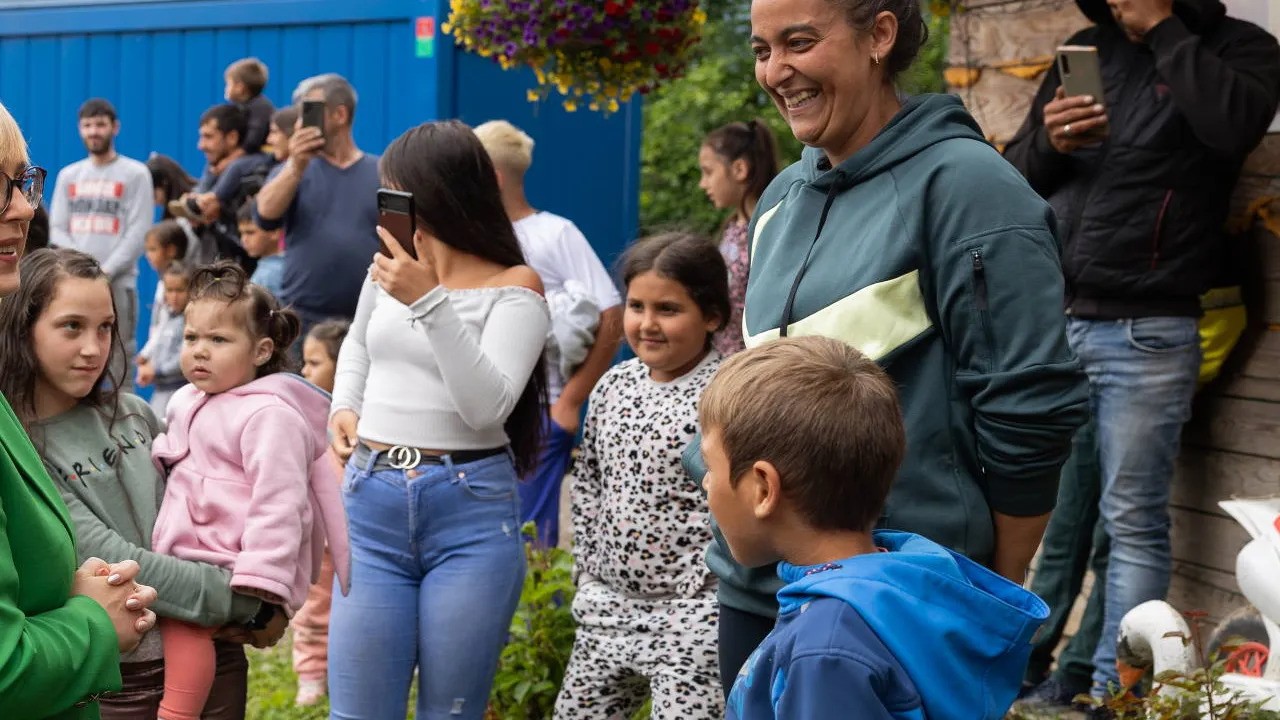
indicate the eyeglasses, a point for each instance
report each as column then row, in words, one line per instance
column 30, row 183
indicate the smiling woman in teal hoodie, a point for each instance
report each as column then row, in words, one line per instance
column 902, row 232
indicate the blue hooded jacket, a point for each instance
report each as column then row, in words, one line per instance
column 912, row 633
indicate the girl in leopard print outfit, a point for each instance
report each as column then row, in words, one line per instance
column 646, row 603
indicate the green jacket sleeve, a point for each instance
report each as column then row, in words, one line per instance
column 1000, row 296
column 51, row 660
column 189, row 591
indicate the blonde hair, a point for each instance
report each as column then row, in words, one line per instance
column 508, row 146
column 823, row 414
column 13, row 147
column 250, row 71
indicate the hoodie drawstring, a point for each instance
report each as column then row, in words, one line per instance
column 789, row 306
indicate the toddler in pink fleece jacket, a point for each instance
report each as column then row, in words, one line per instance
column 249, row 485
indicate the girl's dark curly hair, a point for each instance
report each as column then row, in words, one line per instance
column 227, row 282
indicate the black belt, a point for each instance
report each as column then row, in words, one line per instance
column 403, row 457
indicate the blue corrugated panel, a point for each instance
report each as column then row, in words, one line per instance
column 161, row 61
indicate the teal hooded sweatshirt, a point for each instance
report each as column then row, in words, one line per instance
column 927, row 251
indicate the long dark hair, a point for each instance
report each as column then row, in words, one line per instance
column 456, row 199
column 753, row 143
column 39, row 273
column 225, row 281
column 168, row 176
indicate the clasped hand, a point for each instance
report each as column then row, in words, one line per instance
column 127, row 603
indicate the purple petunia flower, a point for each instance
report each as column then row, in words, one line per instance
column 509, row 49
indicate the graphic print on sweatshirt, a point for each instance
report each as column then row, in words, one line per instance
column 133, row 441
column 95, row 206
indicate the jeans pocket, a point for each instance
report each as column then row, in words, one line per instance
column 1163, row 334
column 350, row 478
column 489, row 479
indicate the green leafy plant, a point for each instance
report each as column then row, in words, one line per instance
column 532, row 664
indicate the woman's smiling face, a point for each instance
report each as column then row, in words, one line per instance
column 817, row 68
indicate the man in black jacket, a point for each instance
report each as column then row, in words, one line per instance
column 1141, row 180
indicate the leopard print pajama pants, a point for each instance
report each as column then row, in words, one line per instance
column 628, row 648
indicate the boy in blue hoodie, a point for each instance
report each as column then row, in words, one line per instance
column 802, row 438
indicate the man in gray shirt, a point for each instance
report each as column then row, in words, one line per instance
column 102, row 206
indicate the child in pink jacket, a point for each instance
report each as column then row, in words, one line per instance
column 250, row 487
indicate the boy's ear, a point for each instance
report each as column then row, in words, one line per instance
column 766, row 490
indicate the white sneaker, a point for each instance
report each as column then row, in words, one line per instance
column 310, row 691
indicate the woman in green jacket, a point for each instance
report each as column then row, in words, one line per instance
column 61, row 629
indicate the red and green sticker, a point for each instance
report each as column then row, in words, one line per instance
column 424, row 34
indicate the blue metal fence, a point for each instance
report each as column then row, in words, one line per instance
column 160, row 62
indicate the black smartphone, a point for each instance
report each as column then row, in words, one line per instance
column 395, row 213
column 313, row 114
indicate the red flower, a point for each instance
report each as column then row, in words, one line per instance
column 612, row 8
column 652, row 48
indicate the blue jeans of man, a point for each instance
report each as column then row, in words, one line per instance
column 1074, row 542
column 540, row 493
column 436, row 570
column 1142, row 376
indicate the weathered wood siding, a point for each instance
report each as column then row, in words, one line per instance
column 1232, row 445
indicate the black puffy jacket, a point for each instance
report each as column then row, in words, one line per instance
column 1142, row 214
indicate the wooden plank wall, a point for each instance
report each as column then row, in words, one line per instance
column 1232, row 444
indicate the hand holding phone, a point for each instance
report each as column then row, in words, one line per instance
column 1076, row 116
column 402, row 277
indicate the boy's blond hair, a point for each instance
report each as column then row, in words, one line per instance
column 508, row 146
column 13, row 147
column 823, row 414
column 250, row 71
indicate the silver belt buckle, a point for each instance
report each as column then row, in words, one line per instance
column 404, row 458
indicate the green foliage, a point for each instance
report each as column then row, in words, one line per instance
column 533, row 662
column 272, row 686
column 1203, row 696
column 720, row 88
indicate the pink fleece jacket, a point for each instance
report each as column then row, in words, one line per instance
column 250, row 487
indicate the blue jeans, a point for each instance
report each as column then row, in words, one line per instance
column 1142, row 376
column 436, row 570
column 1074, row 543
column 540, row 494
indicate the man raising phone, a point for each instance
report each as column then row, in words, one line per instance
column 1141, row 181
column 325, row 198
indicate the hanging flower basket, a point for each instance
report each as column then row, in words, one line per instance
column 597, row 52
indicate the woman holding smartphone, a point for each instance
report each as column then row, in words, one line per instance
column 436, row 440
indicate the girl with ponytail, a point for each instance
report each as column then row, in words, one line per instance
column 250, row 488
column 737, row 162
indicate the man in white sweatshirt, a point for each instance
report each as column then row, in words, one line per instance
column 103, row 206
